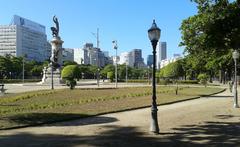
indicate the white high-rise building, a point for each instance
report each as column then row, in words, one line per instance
column 24, row 37
column 126, row 57
column 161, row 53
column 89, row 55
column 81, row 56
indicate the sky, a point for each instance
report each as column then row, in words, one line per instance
column 126, row 21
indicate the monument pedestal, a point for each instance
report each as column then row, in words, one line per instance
column 47, row 76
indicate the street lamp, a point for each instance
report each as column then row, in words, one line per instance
column 115, row 46
column 23, row 70
column 98, row 74
column 154, row 35
column 126, row 71
column 235, row 57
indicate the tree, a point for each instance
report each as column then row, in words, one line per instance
column 172, row 70
column 210, row 36
column 110, row 75
column 37, row 70
column 69, row 74
column 106, row 69
column 65, row 63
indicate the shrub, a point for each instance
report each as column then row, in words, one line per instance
column 69, row 74
column 203, row 79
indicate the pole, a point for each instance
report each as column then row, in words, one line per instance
column 116, row 70
column 97, row 37
column 98, row 77
column 149, row 76
column 235, row 87
column 98, row 65
column 126, row 73
column 52, row 75
column 154, row 121
column 23, row 70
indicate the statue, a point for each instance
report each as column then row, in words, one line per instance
column 55, row 44
column 55, row 30
column 52, row 73
column 54, row 57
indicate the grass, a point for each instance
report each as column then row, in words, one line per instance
column 39, row 107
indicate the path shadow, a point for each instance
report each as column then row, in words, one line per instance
column 53, row 119
column 208, row 134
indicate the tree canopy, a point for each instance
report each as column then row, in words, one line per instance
column 210, row 36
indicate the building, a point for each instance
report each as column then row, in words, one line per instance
column 124, row 57
column 90, row 55
column 171, row 60
column 161, row 53
column 149, row 60
column 176, row 55
column 68, row 54
column 24, row 37
column 137, row 58
column 114, row 59
column 81, row 56
column 106, row 53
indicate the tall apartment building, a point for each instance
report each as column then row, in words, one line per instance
column 149, row 60
column 24, row 37
column 161, row 53
column 137, row 58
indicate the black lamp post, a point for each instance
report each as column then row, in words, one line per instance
column 154, row 35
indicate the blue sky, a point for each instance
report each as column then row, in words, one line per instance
column 124, row 20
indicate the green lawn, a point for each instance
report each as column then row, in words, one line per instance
column 50, row 106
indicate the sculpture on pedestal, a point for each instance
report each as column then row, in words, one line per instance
column 56, row 57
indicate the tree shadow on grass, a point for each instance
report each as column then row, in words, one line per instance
column 33, row 119
column 208, row 134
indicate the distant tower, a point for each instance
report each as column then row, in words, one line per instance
column 149, row 60
column 161, row 53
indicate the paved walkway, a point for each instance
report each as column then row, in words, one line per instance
column 208, row 121
column 18, row 88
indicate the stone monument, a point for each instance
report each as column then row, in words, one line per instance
column 52, row 73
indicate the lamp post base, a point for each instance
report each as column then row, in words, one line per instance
column 154, row 122
column 236, row 106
